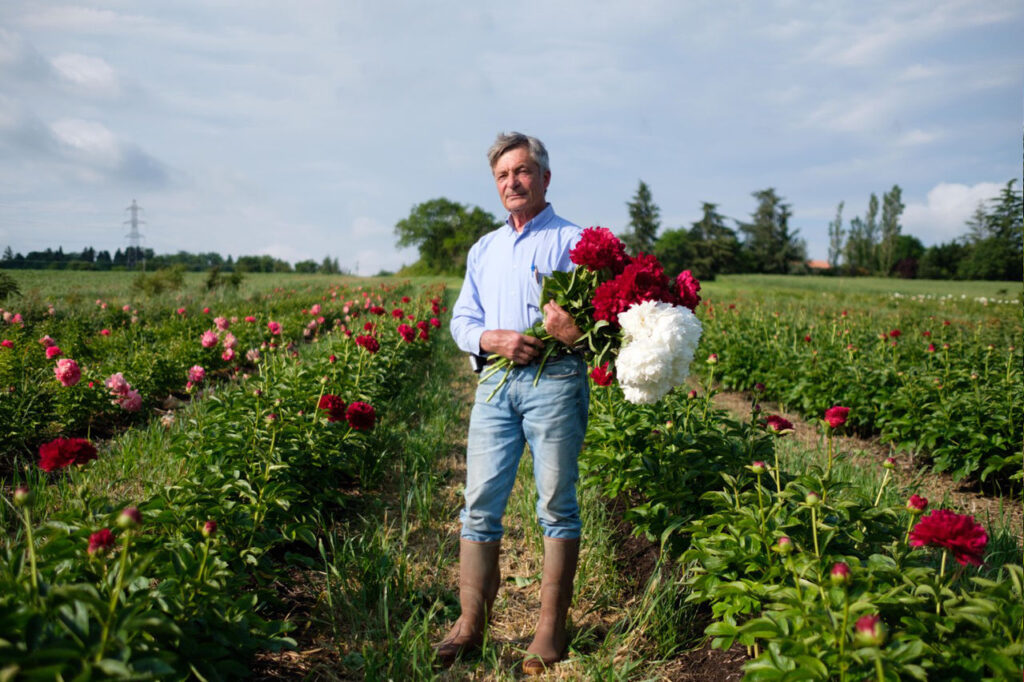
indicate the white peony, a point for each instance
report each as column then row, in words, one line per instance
column 658, row 343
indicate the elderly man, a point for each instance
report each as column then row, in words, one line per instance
column 500, row 298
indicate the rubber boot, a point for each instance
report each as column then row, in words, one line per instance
column 551, row 641
column 479, row 579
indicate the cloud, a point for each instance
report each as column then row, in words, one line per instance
column 943, row 214
column 91, row 75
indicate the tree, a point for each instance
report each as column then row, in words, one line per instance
column 835, row 238
column 941, row 261
column 444, row 231
column 770, row 246
column 644, row 221
column 907, row 256
column 892, row 209
column 716, row 248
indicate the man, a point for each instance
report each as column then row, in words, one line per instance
column 499, row 299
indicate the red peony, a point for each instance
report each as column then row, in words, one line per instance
column 688, row 287
column 406, row 332
column 836, row 415
column 377, row 310
column 601, row 375
column 369, row 343
column 642, row 280
column 333, row 406
column 958, row 533
column 361, row 416
column 599, row 249
column 398, row 313
column 61, row 453
column 101, row 541
column 778, row 424
column 917, row 504
column 435, row 323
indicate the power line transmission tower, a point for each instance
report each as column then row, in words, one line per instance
column 134, row 237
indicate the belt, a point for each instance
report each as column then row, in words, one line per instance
column 481, row 361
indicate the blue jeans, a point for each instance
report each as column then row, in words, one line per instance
column 552, row 418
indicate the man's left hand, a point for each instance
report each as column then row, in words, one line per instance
column 560, row 324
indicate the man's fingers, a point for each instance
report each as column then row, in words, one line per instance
column 533, row 341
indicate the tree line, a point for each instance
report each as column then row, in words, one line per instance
column 766, row 242
column 132, row 258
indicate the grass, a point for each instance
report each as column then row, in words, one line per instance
column 731, row 285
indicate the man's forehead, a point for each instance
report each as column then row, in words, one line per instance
column 515, row 157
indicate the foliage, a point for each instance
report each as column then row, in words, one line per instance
column 8, row 286
column 443, row 231
column 770, row 246
column 644, row 223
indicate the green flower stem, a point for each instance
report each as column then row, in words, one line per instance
column 828, row 472
column 707, row 393
column 814, row 531
column 760, row 505
column 879, row 672
column 114, row 596
column 31, row 550
column 202, row 564
column 775, row 470
column 842, row 636
column 885, row 480
column 942, row 574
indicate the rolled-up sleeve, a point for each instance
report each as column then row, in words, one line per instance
column 467, row 323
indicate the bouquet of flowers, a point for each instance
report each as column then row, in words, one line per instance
column 638, row 325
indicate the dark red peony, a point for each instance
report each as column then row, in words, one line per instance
column 601, row 375
column 361, row 416
column 688, row 287
column 61, row 453
column 101, row 541
column 333, row 406
column 369, row 343
column 599, row 249
column 836, row 415
column 959, row 533
column 642, row 280
column 777, row 424
column 406, row 332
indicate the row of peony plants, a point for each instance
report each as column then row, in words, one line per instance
column 65, row 371
column 939, row 380
column 153, row 580
column 817, row 577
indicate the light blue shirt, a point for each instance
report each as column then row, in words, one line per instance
column 504, row 271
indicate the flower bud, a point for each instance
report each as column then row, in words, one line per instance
column 870, row 631
column 758, row 467
column 889, row 463
column 692, row 394
column 209, row 529
column 840, row 574
column 917, row 504
column 812, row 499
column 130, row 517
column 22, row 496
column 759, row 387
column 713, row 359
column 784, row 546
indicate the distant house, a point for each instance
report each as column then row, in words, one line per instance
column 818, row 265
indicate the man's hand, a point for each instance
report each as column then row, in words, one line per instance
column 519, row 348
column 560, row 324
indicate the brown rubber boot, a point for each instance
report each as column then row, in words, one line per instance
column 551, row 641
column 479, row 579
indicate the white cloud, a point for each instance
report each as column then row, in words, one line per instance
column 948, row 206
column 91, row 140
column 89, row 74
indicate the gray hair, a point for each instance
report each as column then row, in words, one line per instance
column 508, row 141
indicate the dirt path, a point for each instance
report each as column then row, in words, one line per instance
column 908, row 473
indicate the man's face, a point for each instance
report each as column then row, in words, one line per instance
column 521, row 185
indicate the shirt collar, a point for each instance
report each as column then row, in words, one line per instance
column 537, row 220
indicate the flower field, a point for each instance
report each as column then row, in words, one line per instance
column 241, row 421
column 174, row 510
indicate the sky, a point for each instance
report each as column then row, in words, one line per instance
column 308, row 129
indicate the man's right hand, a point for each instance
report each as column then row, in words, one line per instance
column 519, row 348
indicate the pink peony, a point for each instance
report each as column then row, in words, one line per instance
column 131, row 401
column 221, row 323
column 67, row 371
column 7, row 343
column 230, row 341
column 228, row 355
column 250, row 319
column 209, row 339
column 52, row 352
column 104, row 332
column 117, row 384
column 47, row 342
column 196, row 374
column 274, row 327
